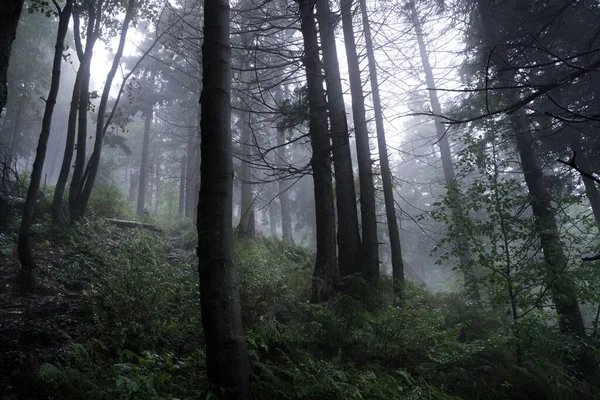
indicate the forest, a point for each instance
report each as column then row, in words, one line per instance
column 308, row 199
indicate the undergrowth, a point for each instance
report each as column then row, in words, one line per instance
column 143, row 339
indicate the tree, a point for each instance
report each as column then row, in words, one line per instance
column 348, row 238
column 227, row 360
column 28, row 276
column 10, row 12
column 369, row 247
column 141, row 200
column 470, row 280
column 561, row 286
column 326, row 274
column 87, row 183
column 386, row 173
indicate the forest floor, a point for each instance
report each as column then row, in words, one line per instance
column 35, row 329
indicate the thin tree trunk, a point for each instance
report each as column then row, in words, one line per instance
column 182, row 179
column 470, row 280
column 28, row 275
column 227, row 360
column 191, row 177
column 247, row 225
column 562, row 288
column 370, row 243
column 12, row 152
column 284, row 198
column 348, row 237
column 141, row 198
column 85, row 59
column 10, row 13
column 326, row 275
column 273, row 213
column 65, row 169
column 94, row 163
column 386, row 173
column 157, row 186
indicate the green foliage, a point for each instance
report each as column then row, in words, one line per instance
column 274, row 278
column 108, row 201
column 144, row 339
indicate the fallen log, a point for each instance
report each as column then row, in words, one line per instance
column 17, row 203
column 133, row 224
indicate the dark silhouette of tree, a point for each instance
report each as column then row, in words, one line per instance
column 28, row 275
column 227, row 360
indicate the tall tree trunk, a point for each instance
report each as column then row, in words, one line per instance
column 386, row 173
column 470, row 280
column 326, row 275
column 227, row 360
column 284, row 198
column 348, row 237
column 16, row 133
column 370, row 244
column 193, row 165
column 28, row 275
column 65, row 169
column 182, row 179
column 273, row 213
column 247, row 225
column 141, row 198
column 94, row 163
column 85, row 59
column 10, row 13
column 562, row 288
column 157, row 186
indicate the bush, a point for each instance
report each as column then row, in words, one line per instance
column 107, row 201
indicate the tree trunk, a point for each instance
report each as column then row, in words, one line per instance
column 326, row 275
column 284, row 198
column 193, row 165
column 470, row 280
column 65, row 169
column 273, row 213
column 562, row 288
column 348, row 237
column 157, row 186
column 227, row 361
column 386, row 173
column 182, row 179
column 10, row 13
column 92, row 167
column 369, row 248
column 85, row 59
column 247, row 225
column 141, row 198
column 28, row 275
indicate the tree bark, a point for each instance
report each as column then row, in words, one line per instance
column 370, row 243
column 10, row 13
column 326, row 275
column 28, row 274
column 562, row 288
column 227, row 360
column 470, row 280
column 141, row 199
column 348, row 237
